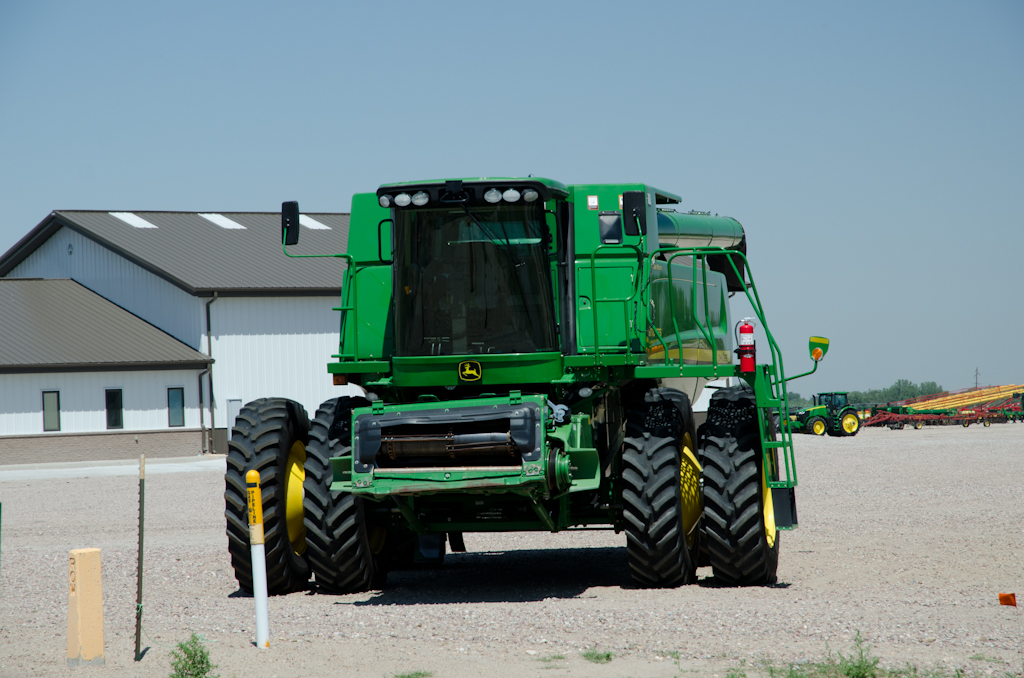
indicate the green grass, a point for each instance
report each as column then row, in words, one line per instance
column 415, row 674
column 860, row 663
column 593, row 655
column 982, row 658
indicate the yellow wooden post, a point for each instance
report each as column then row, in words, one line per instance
column 85, row 608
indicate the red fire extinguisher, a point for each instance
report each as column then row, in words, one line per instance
column 746, row 349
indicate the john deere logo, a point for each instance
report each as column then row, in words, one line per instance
column 470, row 370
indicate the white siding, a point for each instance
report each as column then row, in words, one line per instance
column 113, row 277
column 83, row 401
column 274, row 346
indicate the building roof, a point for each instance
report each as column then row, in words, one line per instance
column 58, row 325
column 227, row 252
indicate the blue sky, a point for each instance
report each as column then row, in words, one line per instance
column 872, row 151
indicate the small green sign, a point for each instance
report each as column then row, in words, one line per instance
column 818, row 348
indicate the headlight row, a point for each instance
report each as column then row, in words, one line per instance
column 421, row 198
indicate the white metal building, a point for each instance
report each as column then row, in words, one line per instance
column 218, row 283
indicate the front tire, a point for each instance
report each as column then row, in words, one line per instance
column 661, row 490
column 269, row 436
column 739, row 518
column 816, row 425
column 341, row 551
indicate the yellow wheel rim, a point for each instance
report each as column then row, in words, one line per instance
column 689, row 486
column 769, row 510
column 819, row 428
column 295, row 474
column 851, row 423
column 377, row 536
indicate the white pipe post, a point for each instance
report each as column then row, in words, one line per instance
column 259, row 558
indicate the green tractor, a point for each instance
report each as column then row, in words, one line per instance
column 830, row 413
column 526, row 354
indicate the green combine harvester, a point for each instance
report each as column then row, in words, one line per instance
column 528, row 353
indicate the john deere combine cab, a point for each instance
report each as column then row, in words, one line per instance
column 527, row 353
column 830, row 413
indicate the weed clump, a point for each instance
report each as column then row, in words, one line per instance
column 191, row 660
column 593, row 655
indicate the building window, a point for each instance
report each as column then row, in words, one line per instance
column 51, row 410
column 176, row 407
column 115, row 413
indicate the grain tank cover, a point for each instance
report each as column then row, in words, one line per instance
column 698, row 229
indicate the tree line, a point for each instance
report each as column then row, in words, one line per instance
column 901, row 390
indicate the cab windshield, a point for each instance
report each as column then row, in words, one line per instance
column 472, row 280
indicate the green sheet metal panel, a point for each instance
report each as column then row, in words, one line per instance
column 372, row 284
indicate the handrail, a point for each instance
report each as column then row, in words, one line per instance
column 593, row 292
column 775, row 372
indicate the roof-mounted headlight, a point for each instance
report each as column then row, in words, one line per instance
column 529, row 195
column 492, row 196
column 403, row 200
column 420, row 199
column 385, row 201
column 511, row 195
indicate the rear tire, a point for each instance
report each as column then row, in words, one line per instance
column 661, row 490
column 269, row 436
column 849, row 424
column 337, row 531
column 743, row 544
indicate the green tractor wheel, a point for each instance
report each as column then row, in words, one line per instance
column 269, row 436
column 816, row 425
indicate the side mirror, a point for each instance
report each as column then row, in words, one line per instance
column 290, row 222
column 634, row 209
column 818, row 348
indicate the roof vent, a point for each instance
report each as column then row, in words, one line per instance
column 223, row 221
column 132, row 219
column 312, row 224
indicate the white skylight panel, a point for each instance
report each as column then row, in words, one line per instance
column 132, row 219
column 223, row 221
column 312, row 224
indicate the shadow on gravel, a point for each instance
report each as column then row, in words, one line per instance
column 511, row 576
column 712, row 582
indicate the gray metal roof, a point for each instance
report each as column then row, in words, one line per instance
column 58, row 325
column 201, row 256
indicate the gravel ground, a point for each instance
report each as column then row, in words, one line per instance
column 905, row 536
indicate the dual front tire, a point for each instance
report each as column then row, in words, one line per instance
column 684, row 506
column 308, row 529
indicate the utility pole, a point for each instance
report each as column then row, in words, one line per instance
column 975, row 378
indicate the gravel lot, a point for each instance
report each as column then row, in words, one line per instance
column 907, row 536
